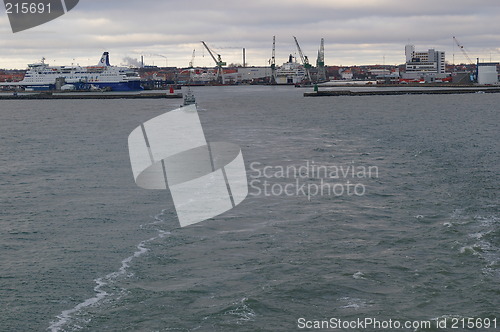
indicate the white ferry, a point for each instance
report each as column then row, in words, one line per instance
column 41, row 76
column 290, row 72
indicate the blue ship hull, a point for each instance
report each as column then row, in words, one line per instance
column 123, row 86
column 44, row 87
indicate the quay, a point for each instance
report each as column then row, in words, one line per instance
column 82, row 95
column 410, row 91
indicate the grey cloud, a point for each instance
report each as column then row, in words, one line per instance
column 175, row 27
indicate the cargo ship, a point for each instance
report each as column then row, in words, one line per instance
column 40, row 76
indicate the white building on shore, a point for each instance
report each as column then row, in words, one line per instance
column 429, row 64
column 487, row 73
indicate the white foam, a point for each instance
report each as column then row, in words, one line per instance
column 243, row 312
column 65, row 317
column 353, row 303
column 477, row 235
column 478, row 245
column 487, row 221
column 468, row 249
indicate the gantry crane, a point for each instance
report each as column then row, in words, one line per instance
column 218, row 62
column 305, row 60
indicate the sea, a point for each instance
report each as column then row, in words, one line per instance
column 364, row 213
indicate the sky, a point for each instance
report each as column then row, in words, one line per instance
column 165, row 32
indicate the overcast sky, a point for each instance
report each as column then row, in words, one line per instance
column 356, row 32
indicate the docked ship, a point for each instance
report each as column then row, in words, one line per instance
column 41, row 76
column 290, row 72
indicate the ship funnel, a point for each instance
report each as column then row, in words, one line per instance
column 104, row 62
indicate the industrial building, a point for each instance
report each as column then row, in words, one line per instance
column 247, row 75
column 487, row 73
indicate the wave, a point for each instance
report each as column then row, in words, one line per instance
column 481, row 232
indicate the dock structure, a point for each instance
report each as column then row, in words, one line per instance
column 384, row 92
column 52, row 96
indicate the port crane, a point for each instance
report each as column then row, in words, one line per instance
column 218, row 61
column 273, row 62
column 461, row 47
column 320, row 62
column 305, row 60
column 191, row 63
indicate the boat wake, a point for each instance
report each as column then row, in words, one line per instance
column 65, row 318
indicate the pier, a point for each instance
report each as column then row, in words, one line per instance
column 409, row 91
column 83, row 95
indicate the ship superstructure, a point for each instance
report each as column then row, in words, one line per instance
column 290, row 72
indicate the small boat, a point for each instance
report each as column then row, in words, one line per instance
column 189, row 98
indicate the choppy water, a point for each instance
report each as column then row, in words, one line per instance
column 82, row 248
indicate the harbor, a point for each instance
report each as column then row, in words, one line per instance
column 421, row 67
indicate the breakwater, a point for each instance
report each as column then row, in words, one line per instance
column 382, row 91
column 51, row 96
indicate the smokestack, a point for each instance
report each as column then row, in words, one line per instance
column 142, row 61
column 244, row 60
